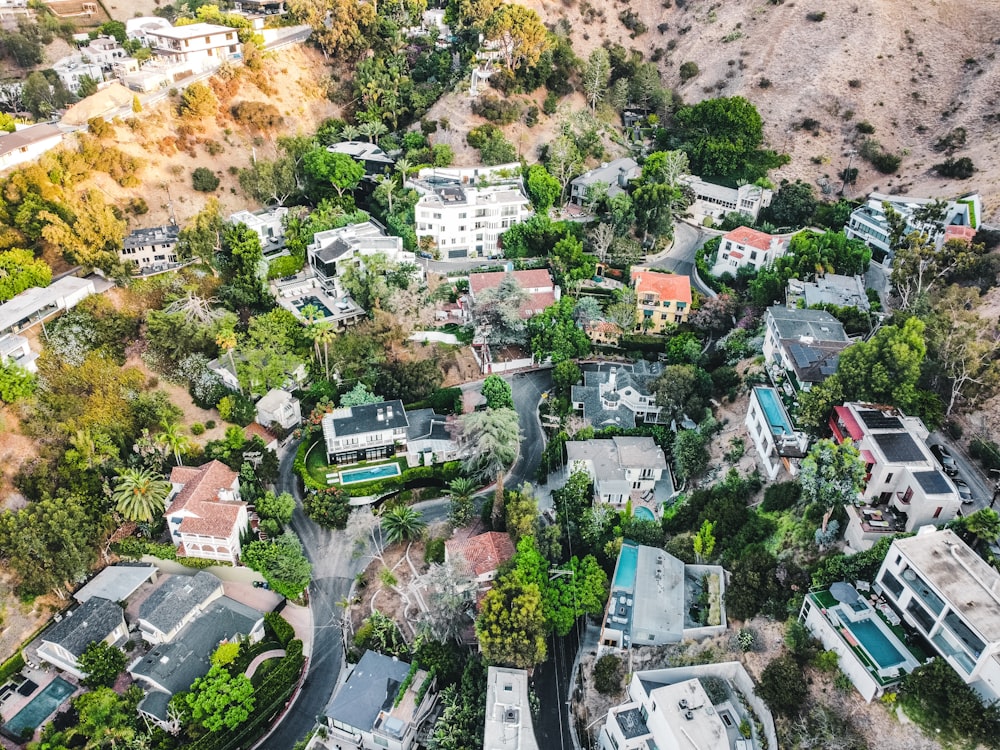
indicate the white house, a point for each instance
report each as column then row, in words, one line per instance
column 828, row 289
column 16, row 350
column 508, row 713
column 951, row 597
column 137, row 28
column 279, row 407
column 770, row 428
column 153, row 248
column 27, row 143
column 204, row 513
column 365, row 433
column 904, row 486
column 96, row 620
column 268, row 224
column 173, row 604
column 805, row 344
column 204, row 44
column 616, row 394
column 623, row 469
column 717, row 200
column 430, row 439
column 747, row 248
column 40, row 303
column 613, row 177
column 467, row 222
column 72, row 69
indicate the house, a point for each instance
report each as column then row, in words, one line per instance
column 603, row 332
column 96, row 620
column 675, row 709
column 137, row 28
column 170, row 668
column 178, row 600
column 806, row 344
column 429, row 439
column 382, row 704
column 624, row 470
column 117, row 583
column 225, row 368
column 617, row 394
column 654, row 596
column 662, row 299
column 432, row 23
column 206, row 45
column 747, row 248
column 256, row 430
column 268, row 224
column 904, row 486
column 27, row 143
column 16, row 350
column 508, row 713
column 151, row 249
column 482, row 555
column 869, row 223
column 104, row 51
column 467, row 222
column 365, row 433
column 279, row 407
column 611, row 178
column 868, row 651
column 770, row 428
column 371, row 157
column 537, row 283
column 40, row 303
column 72, row 69
column 204, row 512
column 951, row 597
column 716, row 201
column 828, row 289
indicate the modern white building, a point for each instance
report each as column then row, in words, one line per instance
column 27, row 143
column 804, row 344
column 828, row 289
column 951, row 596
column 747, row 248
column 508, row 712
column 40, row 303
column 467, row 222
column 623, row 469
column 137, row 28
column 716, row 201
column 72, row 69
column 268, row 224
column 611, row 178
column 779, row 445
column 151, row 249
column 16, row 350
column 279, row 407
column 904, row 486
column 205, row 44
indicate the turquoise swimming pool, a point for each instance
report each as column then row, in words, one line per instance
column 875, row 643
column 40, row 708
column 370, row 473
column 628, row 559
column 644, row 514
column 773, row 411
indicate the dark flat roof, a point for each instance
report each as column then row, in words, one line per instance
column 898, row 447
column 933, row 482
column 876, row 420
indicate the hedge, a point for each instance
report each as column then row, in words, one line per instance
column 987, row 452
column 134, row 549
column 11, row 667
column 279, row 627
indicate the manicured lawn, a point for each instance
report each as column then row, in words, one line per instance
column 318, row 468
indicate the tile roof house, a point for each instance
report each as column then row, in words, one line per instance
column 603, row 332
column 904, row 485
column 376, row 707
column 170, row 668
column 365, row 433
column 662, row 299
column 204, row 513
column 617, row 394
column 747, row 248
column 173, row 604
column 804, row 343
column 96, row 620
column 623, row 469
column 542, row 290
column 951, row 597
column 483, row 554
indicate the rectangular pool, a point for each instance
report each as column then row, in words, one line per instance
column 876, row 643
column 628, row 559
column 41, row 707
column 369, row 473
column 774, row 411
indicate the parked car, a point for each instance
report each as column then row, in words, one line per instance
column 261, row 585
column 964, row 491
column 945, row 458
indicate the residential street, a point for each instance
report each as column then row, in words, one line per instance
column 968, row 469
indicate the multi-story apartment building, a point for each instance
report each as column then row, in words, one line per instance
column 951, row 596
column 662, row 299
column 154, row 248
column 747, row 248
column 467, row 222
column 206, row 44
column 904, row 486
column 365, row 433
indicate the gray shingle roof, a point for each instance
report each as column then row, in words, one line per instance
column 639, row 376
column 370, row 689
column 168, row 605
column 94, row 620
column 816, row 324
column 368, row 418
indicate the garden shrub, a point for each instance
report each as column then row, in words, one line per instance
column 279, row 628
column 496, row 110
column 608, row 674
column 204, row 180
column 434, row 552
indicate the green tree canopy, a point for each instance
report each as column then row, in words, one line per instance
column 555, row 334
column 339, row 171
column 20, row 270
column 497, row 393
column 543, row 189
column 102, row 662
column 832, row 475
column 220, row 700
column 281, row 562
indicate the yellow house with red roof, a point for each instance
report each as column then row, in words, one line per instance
column 662, row 299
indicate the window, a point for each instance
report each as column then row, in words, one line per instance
column 462, row 215
column 937, row 512
column 663, row 316
column 888, row 477
column 753, row 255
column 678, row 318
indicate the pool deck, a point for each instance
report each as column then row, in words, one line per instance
column 41, row 677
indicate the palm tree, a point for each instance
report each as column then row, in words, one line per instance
column 403, row 166
column 495, row 436
column 372, row 130
column 171, row 438
column 140, row 494
column 226, row 340
column 983, row 525
column 460, row 490
column 402, row 523
column 323, row 335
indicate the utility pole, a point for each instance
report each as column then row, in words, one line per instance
column 847, row 172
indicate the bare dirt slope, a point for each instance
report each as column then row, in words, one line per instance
column 918, row 70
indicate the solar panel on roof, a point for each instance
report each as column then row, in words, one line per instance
column 803, row 355
column 876, row 420
column 932, row 482
column 899, row 447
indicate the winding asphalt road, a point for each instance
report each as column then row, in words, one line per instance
column 336, row 563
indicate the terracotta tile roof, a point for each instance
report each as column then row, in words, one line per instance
column 667, row 286
column 538, row 278
column 736, row 254
column 214, row 519
column 958, row 232
column 257, row 429
column 483, row 553
column 751, row 237
column 604, row 326
column 201, row 483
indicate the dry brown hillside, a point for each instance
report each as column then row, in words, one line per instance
column 914, row 70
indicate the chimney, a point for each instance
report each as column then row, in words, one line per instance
column 380, row 414
column 612, row 377
column 388, row 412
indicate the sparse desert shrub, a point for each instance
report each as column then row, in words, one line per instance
column 960, row 169
column 854, row 83
column 815, row 16
column 865, row 127
column 204, row 180
column 496, row 110
column 764, row 83
column 688, row 70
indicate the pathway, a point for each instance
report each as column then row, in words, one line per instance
column 274, row 653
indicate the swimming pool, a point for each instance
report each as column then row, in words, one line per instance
column 875, row 643
column 644, row 514
column 369, row 473
column 628, row 559
column 40, row 708
column 324, row 311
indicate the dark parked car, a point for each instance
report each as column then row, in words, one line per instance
column 945, row 459
column 261, row 585
column 964, row 491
